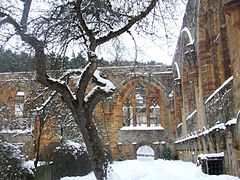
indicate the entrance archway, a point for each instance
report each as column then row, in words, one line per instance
column 145, row 152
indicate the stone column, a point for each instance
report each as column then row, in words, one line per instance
column 134, row 150
column 199, row 103
column 148, row 107
column 134, row 107
column 156, row 150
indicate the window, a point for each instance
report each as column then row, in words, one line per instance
column 19, row 104
column 141, row 107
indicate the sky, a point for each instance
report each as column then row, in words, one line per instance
column 149, row 169
column 160, row 49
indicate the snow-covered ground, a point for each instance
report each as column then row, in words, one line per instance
column 148, row 169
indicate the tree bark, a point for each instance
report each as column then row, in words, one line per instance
column 93, row 143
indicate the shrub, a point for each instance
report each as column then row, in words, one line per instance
column 70, row 159
column 12, row 163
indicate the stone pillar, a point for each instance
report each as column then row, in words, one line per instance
column 203, row 144
column 161, row 148
column 199, row 105
column 232, row 156
column 134, row 107
column 185, row 111
column 148, row 109
column 156, row 150
column 134, row 150
column 195, row 150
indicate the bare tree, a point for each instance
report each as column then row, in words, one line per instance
column 87, row 24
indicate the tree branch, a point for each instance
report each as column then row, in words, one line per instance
column 26, row 9
column 104, row 88
column 94, row 97
column 85, row 77
column 42, row 77
column 84, row 26
column 130, row 23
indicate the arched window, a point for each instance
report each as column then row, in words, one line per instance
column 141, row 107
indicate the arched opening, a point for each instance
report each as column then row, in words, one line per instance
column 145, row 152
column 142, row 104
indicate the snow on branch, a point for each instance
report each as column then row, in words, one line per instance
column 231, row 122
column 103, row 86
column 100, row 79
column 47, row 101
column 71, row 72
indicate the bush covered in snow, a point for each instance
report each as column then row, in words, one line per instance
column 70, row 159
column 12, row 163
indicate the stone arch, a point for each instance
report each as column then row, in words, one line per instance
column 176, row 71
column 189, row 76
column 177, row 102
column 127, row 91
column 154, row 146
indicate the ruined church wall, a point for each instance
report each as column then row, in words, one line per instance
column 217, row 48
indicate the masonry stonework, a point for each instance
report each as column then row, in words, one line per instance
column 207, row 56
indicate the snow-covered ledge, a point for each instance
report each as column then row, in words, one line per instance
column 218, row 126
column 211, row 155
column 141, row 128
column 231, row 122
column 218, row 89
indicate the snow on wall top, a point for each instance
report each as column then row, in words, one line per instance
column 218, row 89
column 20, row 93
column 231, row 122
column 212, row 155
column 141, row 128
column 218, row 126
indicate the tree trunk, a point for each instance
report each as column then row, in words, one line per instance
column 94, row 145
column 37, row 143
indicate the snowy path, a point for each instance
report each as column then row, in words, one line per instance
column 146, row 169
